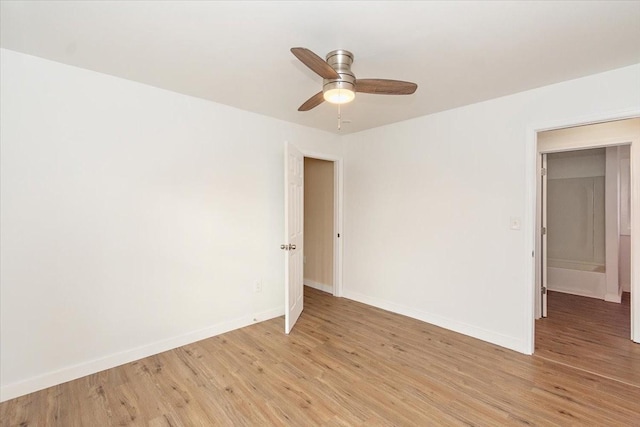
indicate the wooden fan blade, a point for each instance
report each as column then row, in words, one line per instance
column 315, row 63
column 312, row 102
column 385, row 87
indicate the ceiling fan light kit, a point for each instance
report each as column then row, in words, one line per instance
column 340, row 84
column 342, row 89
column 338, row 92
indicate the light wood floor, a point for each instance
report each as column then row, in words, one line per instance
column 590, row 334
column 345, row 364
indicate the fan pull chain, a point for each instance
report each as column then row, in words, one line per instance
column 339, row 118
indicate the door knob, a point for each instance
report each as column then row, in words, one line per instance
column 284, row 247
column 291, row 247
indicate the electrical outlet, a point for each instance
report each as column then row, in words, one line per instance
column 257, row 286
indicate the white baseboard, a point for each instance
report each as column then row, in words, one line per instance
column 453, row 325
column 319, row 286
column 11, row 391
column 614, row 297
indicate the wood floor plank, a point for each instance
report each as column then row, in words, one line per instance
column 348, row 364
column 590, row 334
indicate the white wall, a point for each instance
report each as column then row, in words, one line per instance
column 429, row 204
column 134, row 220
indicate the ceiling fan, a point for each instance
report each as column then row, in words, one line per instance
column 340, row 84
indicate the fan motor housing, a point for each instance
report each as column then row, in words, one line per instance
column 340, row 60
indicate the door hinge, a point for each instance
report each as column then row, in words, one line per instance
column 543, row 171
column 544, row 231
column 338, row 234
column 544, row 290
column 533, row 254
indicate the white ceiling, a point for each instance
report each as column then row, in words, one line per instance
column 237, row 53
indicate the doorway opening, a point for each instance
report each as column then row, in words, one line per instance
column 585, row 223
column 323, row 187
column 319, row 224
column 584, row 248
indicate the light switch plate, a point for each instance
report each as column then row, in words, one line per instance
column 514, row 223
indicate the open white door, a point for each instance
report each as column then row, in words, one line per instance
column 543, row 232
column 293, row 231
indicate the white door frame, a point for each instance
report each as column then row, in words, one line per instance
column 542, row 285
column 337, row 215
column 532, row 224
